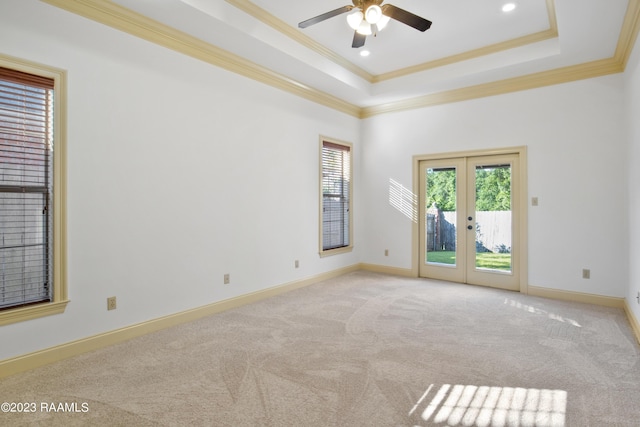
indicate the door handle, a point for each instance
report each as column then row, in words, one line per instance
column 470, row 218
column 469, row 227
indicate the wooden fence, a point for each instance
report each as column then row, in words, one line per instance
column 493, row 231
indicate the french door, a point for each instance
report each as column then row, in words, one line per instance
column 469, row 220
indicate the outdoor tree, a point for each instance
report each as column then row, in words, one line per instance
column 493, row 188
column 441, row 189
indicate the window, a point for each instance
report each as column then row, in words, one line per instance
column 335, row 206
column 31, row 193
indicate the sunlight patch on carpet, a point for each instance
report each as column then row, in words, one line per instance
column 469, row 405
column 532, row 309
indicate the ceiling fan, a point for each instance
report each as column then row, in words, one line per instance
column 370, row 18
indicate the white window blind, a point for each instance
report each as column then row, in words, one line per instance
column 26, row 183
column 336, row 185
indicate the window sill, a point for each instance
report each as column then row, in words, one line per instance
column 32, row 312
column 336, row 251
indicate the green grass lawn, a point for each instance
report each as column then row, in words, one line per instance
column 483, row 260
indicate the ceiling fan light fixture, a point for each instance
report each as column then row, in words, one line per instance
column 364, row 29
column 366, row 17
column 384, row 20
column 373, row 14
column 355, row 19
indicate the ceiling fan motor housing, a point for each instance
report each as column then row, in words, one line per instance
column 364, row 4
column 369, row 18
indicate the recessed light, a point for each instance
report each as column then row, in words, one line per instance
column 365, row 53
column 508, row 7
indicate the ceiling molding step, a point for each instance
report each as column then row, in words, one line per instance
column 291, row 32
column 123, row 19
column 286, row 29
column 550, row 33
column 628, row 32
column 472, row 54
column 531, row 81
column 551, row 12
column 126, row 20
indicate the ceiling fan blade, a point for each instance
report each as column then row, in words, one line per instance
column 405, row 17
column 324, row 16
column 358, row 39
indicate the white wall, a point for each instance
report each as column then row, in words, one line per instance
column 577, row 168
column 179, row 172
column 632, row 98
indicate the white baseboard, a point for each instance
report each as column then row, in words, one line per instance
column 635, row 325
column 576, row 296
column 395, row 271
column 590, row 299
column 63, row 351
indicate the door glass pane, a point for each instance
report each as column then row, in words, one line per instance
column 441, row 235
column 493, row 217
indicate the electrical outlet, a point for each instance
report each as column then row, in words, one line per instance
column 534, row 201
column 386, row 252
column 227, row 279
column 586, row 273
column 297, row 264
column 111, row 303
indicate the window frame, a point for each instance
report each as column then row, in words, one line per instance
column 59, row 293
column 349, row 247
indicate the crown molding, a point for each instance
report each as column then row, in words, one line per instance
column 628, row 33
column 515, row 84
column 118, row 17
column 289, row 31
column 286, row 29
column 465, row 56
column 550, row 33
column 123, row 19
column 603, row 67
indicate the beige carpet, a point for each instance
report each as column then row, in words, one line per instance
column 360, row 350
